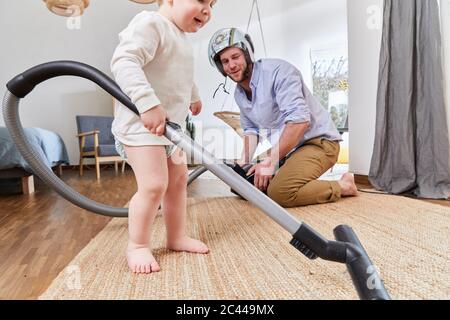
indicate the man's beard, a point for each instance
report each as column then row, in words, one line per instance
column 245, row 75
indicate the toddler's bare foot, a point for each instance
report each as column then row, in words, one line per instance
column 187, row 244
column 140, row 259
column 348, row 185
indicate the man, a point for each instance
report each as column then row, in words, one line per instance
column 275, row 104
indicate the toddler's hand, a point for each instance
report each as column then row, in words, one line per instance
column 196, row 108
column 155, row 120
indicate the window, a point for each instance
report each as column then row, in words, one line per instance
column 330, row 81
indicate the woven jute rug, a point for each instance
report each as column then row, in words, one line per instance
column 251, row 257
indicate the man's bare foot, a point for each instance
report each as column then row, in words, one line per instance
column 348, row 186
column 187, row 244
column 140, row 259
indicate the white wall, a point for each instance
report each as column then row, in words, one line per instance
column 31, row 35
column 364, row 43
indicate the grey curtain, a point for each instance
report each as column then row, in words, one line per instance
column 411, row 151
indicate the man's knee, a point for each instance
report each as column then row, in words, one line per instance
column 285, row 198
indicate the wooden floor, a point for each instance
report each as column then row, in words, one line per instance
column 41, row 233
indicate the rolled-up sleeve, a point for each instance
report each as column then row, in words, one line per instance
column 288, row 87
column 195, row 96
column 137, row 47
column 248, row 126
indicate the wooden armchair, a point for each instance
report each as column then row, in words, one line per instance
column 96, row 141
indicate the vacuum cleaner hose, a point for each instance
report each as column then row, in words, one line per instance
column 23, row 84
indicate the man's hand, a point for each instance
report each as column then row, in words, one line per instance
column 155, row 120
column 196, row 108
column 264, row 172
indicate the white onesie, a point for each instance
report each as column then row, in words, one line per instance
column 154, row 65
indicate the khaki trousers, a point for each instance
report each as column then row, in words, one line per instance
column 295, row 184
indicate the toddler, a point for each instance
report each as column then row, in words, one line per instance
column 153, row 64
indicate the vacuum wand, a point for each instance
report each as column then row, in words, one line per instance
column 347, row 249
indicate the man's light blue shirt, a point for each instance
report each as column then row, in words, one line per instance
column 280, row 96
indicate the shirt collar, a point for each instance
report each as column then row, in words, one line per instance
column 255, row 74
column 254, row 80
